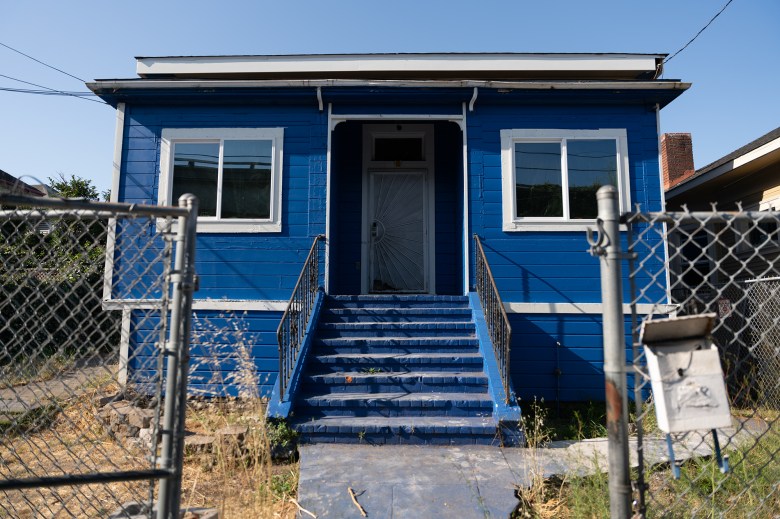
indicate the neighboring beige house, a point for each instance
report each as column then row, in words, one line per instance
column 749, row 176
column 738, row 275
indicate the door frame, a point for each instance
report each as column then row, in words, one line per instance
column 425, row 131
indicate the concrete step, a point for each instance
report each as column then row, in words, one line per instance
column 392, row 362
column 394, row 315
column 395, row 404
column 395, row 329
column 425, row 381
column 436, row 430
column 439, row 343
column 396, row 301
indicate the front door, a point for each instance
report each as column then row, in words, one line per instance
column 398, row 244
column 397, row 251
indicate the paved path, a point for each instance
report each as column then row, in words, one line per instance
column 72, row 382
column 394, row 481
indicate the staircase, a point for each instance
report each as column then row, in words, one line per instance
column 395, row 369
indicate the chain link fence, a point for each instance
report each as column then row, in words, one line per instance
column 84, row 428
column 725, row 263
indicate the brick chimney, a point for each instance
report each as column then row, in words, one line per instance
column 676, row 158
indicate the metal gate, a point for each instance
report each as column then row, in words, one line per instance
column 89, row 423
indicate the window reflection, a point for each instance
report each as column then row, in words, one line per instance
column 591, row 164
column 246, row 183
column 196, row 171
column 538, row 179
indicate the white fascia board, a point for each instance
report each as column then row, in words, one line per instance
column 346, row 63
column 150, row 84
column 738, row 162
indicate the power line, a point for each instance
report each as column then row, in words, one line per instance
column 45, row 92
column 53, row 90
column 41, row 62
column 698, row 33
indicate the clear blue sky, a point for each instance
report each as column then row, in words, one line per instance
column 733, row 65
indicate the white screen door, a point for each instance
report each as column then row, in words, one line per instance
column 397, row 238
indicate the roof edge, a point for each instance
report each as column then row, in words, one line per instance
column 404, row 65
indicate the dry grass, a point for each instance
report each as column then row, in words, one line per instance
column 68, row 438
column 242, row 481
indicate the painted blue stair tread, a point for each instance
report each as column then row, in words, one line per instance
column 399, row 358
column 462, row 377
column 398, row 341
column 427, row 424
column 400, row 399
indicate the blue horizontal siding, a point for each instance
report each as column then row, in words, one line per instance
column 239, row 265
column 231, row 352
column 572, row 343
column 551, row 266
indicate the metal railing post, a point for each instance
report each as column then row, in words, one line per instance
column 614, row 352
column 176, row 349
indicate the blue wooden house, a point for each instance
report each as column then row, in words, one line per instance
column 428, row 176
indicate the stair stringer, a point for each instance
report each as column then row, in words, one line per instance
column 506, row 410
column 281, row 407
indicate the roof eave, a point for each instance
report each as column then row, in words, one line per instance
column 405, row 66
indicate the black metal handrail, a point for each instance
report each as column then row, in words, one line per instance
column 495, row 314
column 295, row 319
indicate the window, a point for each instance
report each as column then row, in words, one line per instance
column 762, row 234
column 236, row 173
column 550, row 177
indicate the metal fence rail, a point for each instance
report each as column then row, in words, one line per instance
column 292, row 326
column 495, row 314
column 726, row 263
column 84, row 428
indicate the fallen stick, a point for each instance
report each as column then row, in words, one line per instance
column 354, row 500
column 301, row 509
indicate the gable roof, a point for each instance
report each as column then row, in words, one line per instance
column 11, row 184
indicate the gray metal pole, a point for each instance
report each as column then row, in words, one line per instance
column 188, row 288
column 614, row 354
column 167, row 500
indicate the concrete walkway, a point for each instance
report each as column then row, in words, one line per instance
column 394, row 481
column 70, row 383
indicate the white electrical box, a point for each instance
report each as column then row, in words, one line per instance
column 685, row 374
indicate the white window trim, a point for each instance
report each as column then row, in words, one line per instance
column 212, row 224
column 512, row 223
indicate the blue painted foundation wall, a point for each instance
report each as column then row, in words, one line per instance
column 569, row 343
column 231, row 353
column 529, row 266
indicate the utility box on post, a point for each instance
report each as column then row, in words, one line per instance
column 685, row 373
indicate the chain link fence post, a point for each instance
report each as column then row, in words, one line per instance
column 608, row 248
column 177, row 351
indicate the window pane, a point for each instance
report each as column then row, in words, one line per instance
column 538, row 188
column 195, row 170
column 398, row 148
column 246, row 180
column 591, row 164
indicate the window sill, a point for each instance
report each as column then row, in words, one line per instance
column 551, row 226
column 213, row 227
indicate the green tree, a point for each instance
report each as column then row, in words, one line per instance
column 74, row 187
